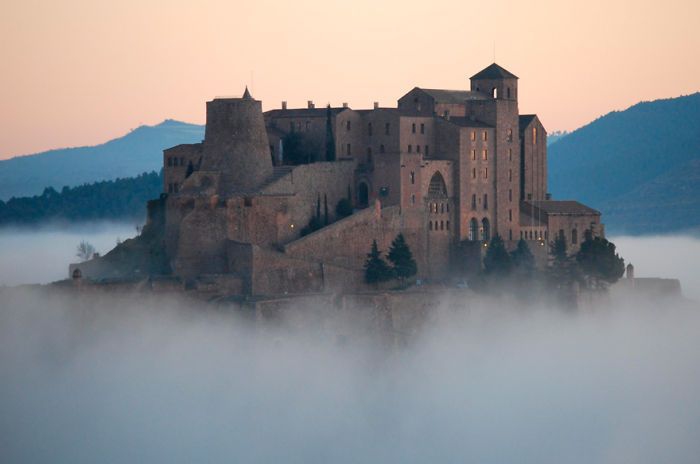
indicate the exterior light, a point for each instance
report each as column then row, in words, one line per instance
column 291, row 226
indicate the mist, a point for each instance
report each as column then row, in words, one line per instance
column 39, row 255
column 90, row 377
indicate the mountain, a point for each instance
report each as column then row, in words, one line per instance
column 555, row 137
column 638, row 166
column 141, row 150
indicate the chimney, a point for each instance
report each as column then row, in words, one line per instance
column 345, row 104
column 310, row 104
column 284, row 105
column 376, row 105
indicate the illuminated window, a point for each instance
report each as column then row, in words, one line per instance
column 473, row 137
column 534, row 136
column 485, row 136
column 486, row 173
column 510, row 135
column 485, row 154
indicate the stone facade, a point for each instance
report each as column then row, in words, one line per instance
column 448, row 169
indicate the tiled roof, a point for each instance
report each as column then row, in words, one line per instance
column 525, row 120
column 453, row 96
column 494, row 71
column 562, row 207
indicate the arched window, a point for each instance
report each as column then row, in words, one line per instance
column 485, row 230
column 473, row 229
column 437, row 188
column 494, row 92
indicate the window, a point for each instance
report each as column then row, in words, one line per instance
column 175, row 162
column 347, row 149
column 510, row 174
column 510, row 154
column 494, row 92
column 430, row 225
column 437, row 187
column 485, row 154
column 473, row 155
column 508, row 93
column 534, row 136
column 510, row 215
column 447, row 225
column 574, row 236
column 381, row 148
column 347, row 125
column 442, row 225
column 510, row 195
column 486, row 201
column 486, row 173
column 369, row 129
column 442, row 208
column 427, row 150
column 410, row 148
column 387, row 126
column 413, row 177
column 510, row 234
column 473, row 137
column 473, row 229
column 413, row 128
column 422, row 128
column 247, row 201
column 447, row 207
column 413, row 199
column 170, row 161
column 485, row 136
column 473, row 201
column 417, row 148
column 510, row 135
column 473, row 173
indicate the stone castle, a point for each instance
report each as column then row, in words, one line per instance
column 448, row 169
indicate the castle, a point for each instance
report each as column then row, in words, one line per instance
column 448, row 169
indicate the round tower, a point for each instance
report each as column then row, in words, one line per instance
column 235, row 143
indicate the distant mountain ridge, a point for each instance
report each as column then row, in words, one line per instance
column 638, row 166
column 141, row 150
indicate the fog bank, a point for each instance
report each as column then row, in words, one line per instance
column 41, row 255
column 145, row 379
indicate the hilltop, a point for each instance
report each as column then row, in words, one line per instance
column 638, row 166
column 141, row 150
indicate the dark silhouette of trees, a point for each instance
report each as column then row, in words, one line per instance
column 299, row 149
column 404, row 266
column 376, row 269
column 522, row 259
column 497, row 261
column 119, row 199
column 599, row 264
column 85, row 251
column 343, row 208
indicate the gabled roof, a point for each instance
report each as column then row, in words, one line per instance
column 525, row 120
column 303, row 112
column 494, row 71
column 562, row 207
column 452, row 96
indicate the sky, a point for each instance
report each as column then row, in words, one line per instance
column 78, row 72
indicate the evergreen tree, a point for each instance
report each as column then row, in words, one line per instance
column 562, row 273
column 400, row 255
column 599, row 263
column 325, row 209
column 522, row 258
column 343, row 208
column 497, row 260
column 376, row 269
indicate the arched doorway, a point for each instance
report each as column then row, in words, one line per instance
column 362, row 195
column 485, row 230
column 77, row 274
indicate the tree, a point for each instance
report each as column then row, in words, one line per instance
column 299, row 149
column 497, row 260
column 400, row 255
column 376, row 269
column 562, row 273
column 343, row 208
column 85, row 251
column 599, row 263
column 522, row 258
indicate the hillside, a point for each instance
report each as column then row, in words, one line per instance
column 119, row 199
column 139, row 151
column 637, row 166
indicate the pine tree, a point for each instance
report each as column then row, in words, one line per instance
column 376, row 269
column 599, row 263
column 497, row 260
column 562, row 273
column 522, row 258
column 400, row 255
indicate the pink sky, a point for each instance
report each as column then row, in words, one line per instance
column 78, row 72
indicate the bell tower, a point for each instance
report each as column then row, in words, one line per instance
column 496, row 82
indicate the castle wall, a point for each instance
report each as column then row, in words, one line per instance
column 175, row 164
column 534, row 162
